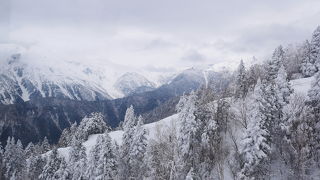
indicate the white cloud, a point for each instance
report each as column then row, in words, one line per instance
column 158, row 34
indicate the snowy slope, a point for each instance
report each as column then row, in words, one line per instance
column 117, row 135
column 302, row 85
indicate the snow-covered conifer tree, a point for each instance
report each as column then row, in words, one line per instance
column 275, row 63
column 29, row 150
column 93, row 158
column 62, row 172
column 186, row 137
column 308, row 67
column 128, row 134
column 241, row 81
column 107, row 160
column 14, row 159
column 92, row 124
column 314, row 101
column 255, row 149
column 77, row 160
column 297, row 138
column 67, row 136
column 283, row 86
column 315, row 47
column 138, row 150
column 52, row 165
column 34, row 166
column 45, row 146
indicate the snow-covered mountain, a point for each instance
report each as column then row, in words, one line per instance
column 23, row 81
column 132, row 82
column 25, row 76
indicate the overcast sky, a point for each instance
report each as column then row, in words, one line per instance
column 156, row 34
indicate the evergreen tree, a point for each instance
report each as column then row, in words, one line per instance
column 102, row 159
column 186, row 138
column 315, row 47
column 94, row 157
column 14, row 160
column 29, row 150
column 107, row 160
column 67, row 136
column 160, row 153
column 77, row 160
column 62, row 172
column 52, row 165
column 255, row 148
column 34, row 166
column 297, row 138
column 92, row 124
column 137, row 151
column 275, row 63
column 283, row 87
column 314, row 101
column 45, row 146
column 241, row 81
column 128, row 134
column 308, row 67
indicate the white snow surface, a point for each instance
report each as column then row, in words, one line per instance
column 116, row 136
column 302, row 86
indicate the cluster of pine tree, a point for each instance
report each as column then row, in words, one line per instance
column 256, row 127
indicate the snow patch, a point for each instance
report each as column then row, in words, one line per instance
column 302, row 86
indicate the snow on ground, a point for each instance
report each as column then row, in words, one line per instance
column 117, row 135
column 302, row 85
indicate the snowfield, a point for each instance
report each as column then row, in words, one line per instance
column 302, row 85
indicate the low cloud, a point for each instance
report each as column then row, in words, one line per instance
column 193, row 56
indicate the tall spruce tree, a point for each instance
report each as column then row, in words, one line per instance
column 128, row 134
column 77, row 160
column 14, row 160
column 138, row 151
column 187, row 142
column 275, row 63
column 52, row 165
column 241, row 81
column 255, row 149
column 314, row 101
column 106, row 165
column 315, row 48
column 297, row 125
column 308, row 67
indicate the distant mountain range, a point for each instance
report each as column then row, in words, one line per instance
column 39, row 100
column 23, row 81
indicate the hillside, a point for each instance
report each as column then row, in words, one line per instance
column 300, row 86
